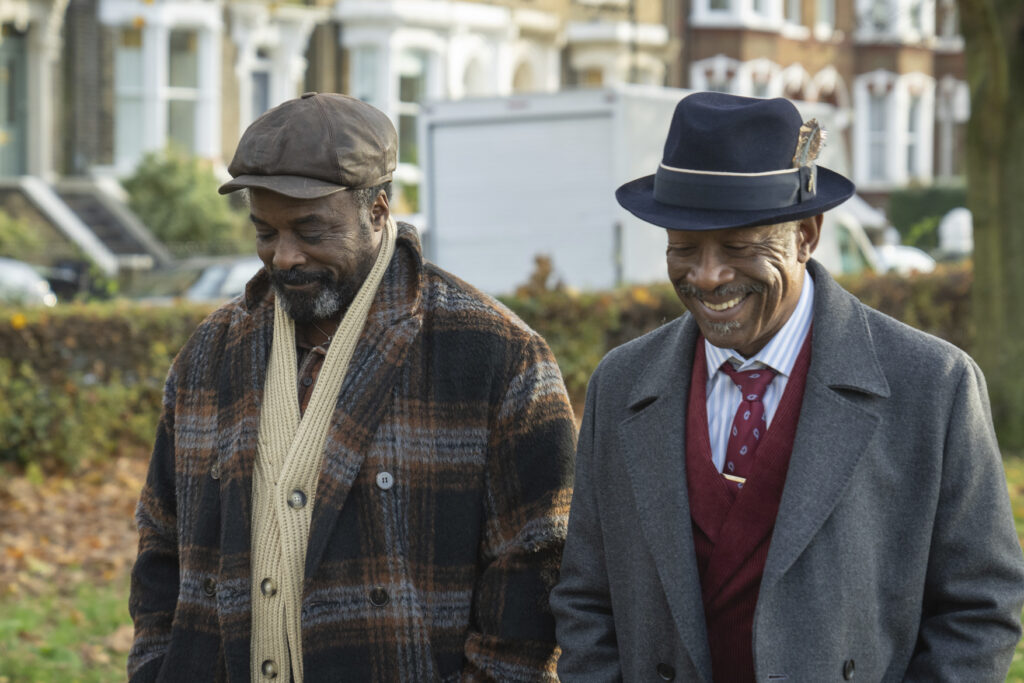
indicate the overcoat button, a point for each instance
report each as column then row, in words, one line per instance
column 848, row 667
column 210, row 587
column 379, row 596
column 385, row 480
column 215, row 471
column 269, row 668
column 297, row 499
column 666, row 672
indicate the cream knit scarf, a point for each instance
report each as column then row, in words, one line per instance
column 290, row 452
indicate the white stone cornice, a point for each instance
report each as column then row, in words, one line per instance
column 621, row 32
column 536, row 21
column 16, row 12
column 258, row 23
column 829, row 81
column 422, row 13
column 205, row 15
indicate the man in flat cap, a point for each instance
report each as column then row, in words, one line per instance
column 782, row 484
column 363, row 467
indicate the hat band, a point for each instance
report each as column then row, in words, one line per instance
column 734, row 191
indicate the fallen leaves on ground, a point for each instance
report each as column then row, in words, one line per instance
column 59, row 530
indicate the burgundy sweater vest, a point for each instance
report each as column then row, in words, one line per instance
column 732, row 527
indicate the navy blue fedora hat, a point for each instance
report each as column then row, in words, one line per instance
column 729, row 162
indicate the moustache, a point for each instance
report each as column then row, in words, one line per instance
column 300, row 277
column 723, row 291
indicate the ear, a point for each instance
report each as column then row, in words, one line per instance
column 807, row 235
column 380, row 211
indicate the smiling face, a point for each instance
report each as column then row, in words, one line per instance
column 741, row 284
column 318, row 252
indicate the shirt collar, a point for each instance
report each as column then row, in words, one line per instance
column 781, row 351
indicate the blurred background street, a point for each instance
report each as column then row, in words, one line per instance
column 517, row 120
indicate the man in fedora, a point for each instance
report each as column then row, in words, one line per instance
column 782, row 484
column 363, row 468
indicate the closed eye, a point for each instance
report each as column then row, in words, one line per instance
column 312, row 238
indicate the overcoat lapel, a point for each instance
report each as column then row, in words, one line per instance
column 393, row 323
column 833, row 431
column 653, row 439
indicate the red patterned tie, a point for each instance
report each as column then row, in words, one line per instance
column 750, row 424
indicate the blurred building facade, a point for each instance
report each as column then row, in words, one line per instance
column 893, row 68
column 87, row 87
column 133, row 76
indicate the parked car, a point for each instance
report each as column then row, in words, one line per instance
column 903, row 259
column 200, row 280
column 20, row 284
column 222, row 281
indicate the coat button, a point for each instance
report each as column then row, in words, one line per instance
column 215, row 471
column 297, row 499
column 379, row 597
column 210, row 587
column 666, row 672
column 269, row 668
column 385, row 480
column 268, row 588
column 848, row 667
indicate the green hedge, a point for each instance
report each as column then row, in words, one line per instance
column 83, row 381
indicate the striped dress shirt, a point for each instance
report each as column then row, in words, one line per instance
column 723, row 396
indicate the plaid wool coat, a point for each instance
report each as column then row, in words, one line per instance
column 444, row 575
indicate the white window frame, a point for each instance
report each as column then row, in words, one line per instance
column 364, row 76
column 824, row 19
column 897, row 90
column 129, row 94
column 919, row 136
column 271, row 42
column 793, row 26
column 763, row 15
column 892, row 21
column 156, row 21
column 947, row 32
column 876, row 84
column 182, row 93
column 952, row 109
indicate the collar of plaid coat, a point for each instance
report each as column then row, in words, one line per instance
column 443, row 573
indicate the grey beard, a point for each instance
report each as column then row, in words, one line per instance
column 306, row 309
column 330, row 299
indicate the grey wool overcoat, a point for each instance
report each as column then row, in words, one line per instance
column 893, row 558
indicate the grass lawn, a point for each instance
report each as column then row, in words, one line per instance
column 81, row 637
column 80, row 631
column 1015, row 480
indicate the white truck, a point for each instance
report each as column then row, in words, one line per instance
column 508, row 178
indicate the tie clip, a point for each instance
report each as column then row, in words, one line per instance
column 738, row 480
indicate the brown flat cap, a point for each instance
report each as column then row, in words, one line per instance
column 315, row 145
